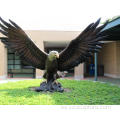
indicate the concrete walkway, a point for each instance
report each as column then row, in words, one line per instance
column 114, row 81
column 100, row 79
column 14, row 80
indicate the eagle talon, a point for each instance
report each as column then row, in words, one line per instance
column 50, row 86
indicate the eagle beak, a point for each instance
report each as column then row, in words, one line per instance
column 57, row 55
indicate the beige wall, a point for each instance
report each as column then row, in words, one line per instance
column 110, row 58
column 79, row 72
column 118, row 59
column 109, row 55
column 39, row 37
column 3, row 61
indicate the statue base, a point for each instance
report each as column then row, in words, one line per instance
column 51, row 87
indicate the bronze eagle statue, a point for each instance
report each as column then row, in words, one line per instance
column 77, row 51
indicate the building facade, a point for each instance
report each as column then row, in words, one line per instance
column 12, row 66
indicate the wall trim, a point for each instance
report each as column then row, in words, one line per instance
column 79, row 77
column 111, row 75
column 39, row 77
column 3, row 77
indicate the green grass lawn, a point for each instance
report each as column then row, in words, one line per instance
column 81, row 93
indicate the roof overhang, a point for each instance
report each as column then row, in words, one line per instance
column 113, row 30
column 55, row 43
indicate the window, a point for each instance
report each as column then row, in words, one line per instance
column 17, row 67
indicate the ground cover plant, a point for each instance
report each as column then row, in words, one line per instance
column 82, row 92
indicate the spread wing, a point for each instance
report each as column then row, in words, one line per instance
column 19, row 42
column 82, row 47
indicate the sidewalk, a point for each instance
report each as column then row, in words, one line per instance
column 115, row 81
column 13, row 80
column 100, row 79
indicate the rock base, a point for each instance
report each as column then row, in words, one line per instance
column 51, row 87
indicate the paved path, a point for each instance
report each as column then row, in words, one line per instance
column 107, row 80
column 101, row 79
column 13, row 80
column 114, row 81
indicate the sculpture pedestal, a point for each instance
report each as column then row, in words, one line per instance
column 51, row 87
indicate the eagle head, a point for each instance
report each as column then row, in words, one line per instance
column 53, row 55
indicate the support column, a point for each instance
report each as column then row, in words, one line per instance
column 95, row 56
column 40, row 44
column 39, row 73
column 79, row 72
column 3, row 61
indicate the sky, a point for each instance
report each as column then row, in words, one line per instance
column 65, row 15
